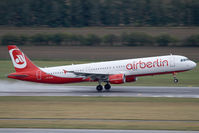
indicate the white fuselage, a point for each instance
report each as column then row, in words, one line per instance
column 136, row 67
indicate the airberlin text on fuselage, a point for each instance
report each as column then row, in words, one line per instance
column 149, row 64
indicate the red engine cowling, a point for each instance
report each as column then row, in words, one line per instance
column 117, row 79
column 131, row 78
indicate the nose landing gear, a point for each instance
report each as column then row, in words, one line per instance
column 175, row 79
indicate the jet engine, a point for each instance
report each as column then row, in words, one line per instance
column 117, row 79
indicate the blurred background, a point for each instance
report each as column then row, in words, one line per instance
column 99, row 29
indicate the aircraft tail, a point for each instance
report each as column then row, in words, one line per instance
column 19, row 60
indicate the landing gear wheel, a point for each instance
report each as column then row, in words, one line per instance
column 107, row 87
column 175, row 80
column 99, row 88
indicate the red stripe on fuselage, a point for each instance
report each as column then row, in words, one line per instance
column 47, row 78
column 44, row 77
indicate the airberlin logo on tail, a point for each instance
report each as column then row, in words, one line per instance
column 18, row 58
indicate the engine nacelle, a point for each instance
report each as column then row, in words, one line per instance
column 131, row 78
column 117, row 79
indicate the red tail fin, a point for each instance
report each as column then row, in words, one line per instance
column 19, row 60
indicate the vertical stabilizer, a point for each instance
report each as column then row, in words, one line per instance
column 19, row 60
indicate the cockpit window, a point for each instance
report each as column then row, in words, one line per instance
column 184, row 59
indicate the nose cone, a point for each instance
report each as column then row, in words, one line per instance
column 193, row 64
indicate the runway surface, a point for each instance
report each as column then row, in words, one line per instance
column 24, row 130
column 20, row 88
column 95, row 120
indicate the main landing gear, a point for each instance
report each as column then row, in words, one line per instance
column 99, row 88
column 107, row 87
column 175, row 79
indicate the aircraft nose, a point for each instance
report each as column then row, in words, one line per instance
column 193, row 64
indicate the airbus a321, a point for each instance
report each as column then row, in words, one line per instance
column 110, row 72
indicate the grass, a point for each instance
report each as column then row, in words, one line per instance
column 189, row 78
column 109, row 111
column 92, row 53
column 179, row 32
column 103, row 112
column 71, row 124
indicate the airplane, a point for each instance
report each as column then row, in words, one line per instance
column 109, row 72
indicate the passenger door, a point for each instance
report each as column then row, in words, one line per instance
column 172, row 61
column 38, row 75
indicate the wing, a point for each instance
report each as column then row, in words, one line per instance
column 93, row 76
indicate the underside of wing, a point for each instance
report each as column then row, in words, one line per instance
column 92, row 76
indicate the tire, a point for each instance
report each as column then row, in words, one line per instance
column 175, row 80
column 107, row 87
column 99, row 88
